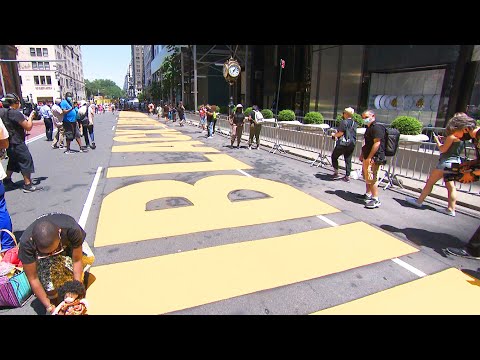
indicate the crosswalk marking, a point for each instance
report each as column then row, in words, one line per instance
column 449, row 292
column 163, row 284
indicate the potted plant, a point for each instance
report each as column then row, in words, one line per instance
column 286, row 115
column 313, row 117
column 410, row 128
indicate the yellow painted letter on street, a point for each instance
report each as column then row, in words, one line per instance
column 120, row 223
column 167, row 146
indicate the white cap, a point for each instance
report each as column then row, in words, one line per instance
column 349, row 110
column 239, row 105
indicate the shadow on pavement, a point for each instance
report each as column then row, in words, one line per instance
column 420, row 237
column 347, row 195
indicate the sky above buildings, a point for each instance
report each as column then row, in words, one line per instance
column 108, row 62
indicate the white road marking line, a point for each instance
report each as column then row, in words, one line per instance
column 328, row 221
column 113, row 127
column 409, row 267
column 88, row 203
column 35, row 138
column 244, row 173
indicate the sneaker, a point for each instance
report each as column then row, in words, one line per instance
column 69, row 152
column 413, row 201
column 83, row 149
column 54, row 146
column 346, row 179
column 447, row 212
column 336, row 176
column 209, row 137
column 462, row 252
column 364, row 197
column 249, row 147
column 373, row 203
column 93, row 146
column 30, row 188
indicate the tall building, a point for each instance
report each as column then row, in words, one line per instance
column 137, row 64
column 49, row 71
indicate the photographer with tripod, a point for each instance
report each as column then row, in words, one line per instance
column 465, row 128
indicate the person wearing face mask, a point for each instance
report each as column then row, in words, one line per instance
column 372, row 156
column 71, row 130
column 464, row 128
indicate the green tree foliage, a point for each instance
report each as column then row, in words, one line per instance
column 170, row 72
column 103, row 87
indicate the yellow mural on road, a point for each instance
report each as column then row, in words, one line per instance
column 179, row 281
column 208, row 195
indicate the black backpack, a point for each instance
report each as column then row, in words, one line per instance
column 392, row 138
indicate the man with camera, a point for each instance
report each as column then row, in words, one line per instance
column 19, row 157
column 465, row 128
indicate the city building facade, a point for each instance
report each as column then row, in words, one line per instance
column 49, row 71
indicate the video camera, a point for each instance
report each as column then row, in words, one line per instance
column 462, row 172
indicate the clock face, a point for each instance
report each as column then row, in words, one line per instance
column 234, row 70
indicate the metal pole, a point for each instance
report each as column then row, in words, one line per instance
column 182, row 76
column 195, row 77
column 277, row 145
column 1, row 76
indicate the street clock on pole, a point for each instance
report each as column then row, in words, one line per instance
column 231, row 70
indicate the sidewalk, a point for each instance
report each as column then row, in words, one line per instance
column 411, row 187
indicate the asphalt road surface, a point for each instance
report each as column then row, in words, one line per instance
column 186, row 225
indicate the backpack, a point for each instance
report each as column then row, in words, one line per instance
column 347, row 138
column 392, row 137
column 258, row 117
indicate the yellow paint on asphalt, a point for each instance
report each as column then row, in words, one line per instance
column 149, row 131
column 167, row 146
column 163, row 284
column 122, row 221
column 217, row 162
column 145, row 135
column 449, row 292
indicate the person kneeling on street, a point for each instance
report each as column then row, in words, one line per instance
column 51, row 252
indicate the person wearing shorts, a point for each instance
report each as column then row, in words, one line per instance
column 19, row 157
column 372, row 156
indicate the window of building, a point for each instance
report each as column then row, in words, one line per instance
column 47, row 65
column 39, row 51
column 34, row 65
column 42, row 80
column 49, row 80
column 45, row 52
column 40, row 65
column 32, row 51
column 36, row 80
column 21, row 83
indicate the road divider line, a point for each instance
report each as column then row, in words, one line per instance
column 328, row 221
column 88, row 203
column 35, row 138
column 244, row 173
column 409, row 267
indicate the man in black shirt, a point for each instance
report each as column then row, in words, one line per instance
column 373, row 155
column 237, row 119
column 51, row 252
column 347, row 130
column 19, row 157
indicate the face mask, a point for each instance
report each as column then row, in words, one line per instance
column 466, row 137
column 69, row 99
column 367, row 121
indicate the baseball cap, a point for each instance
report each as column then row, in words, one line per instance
column 239, row 105
column 349, row 110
